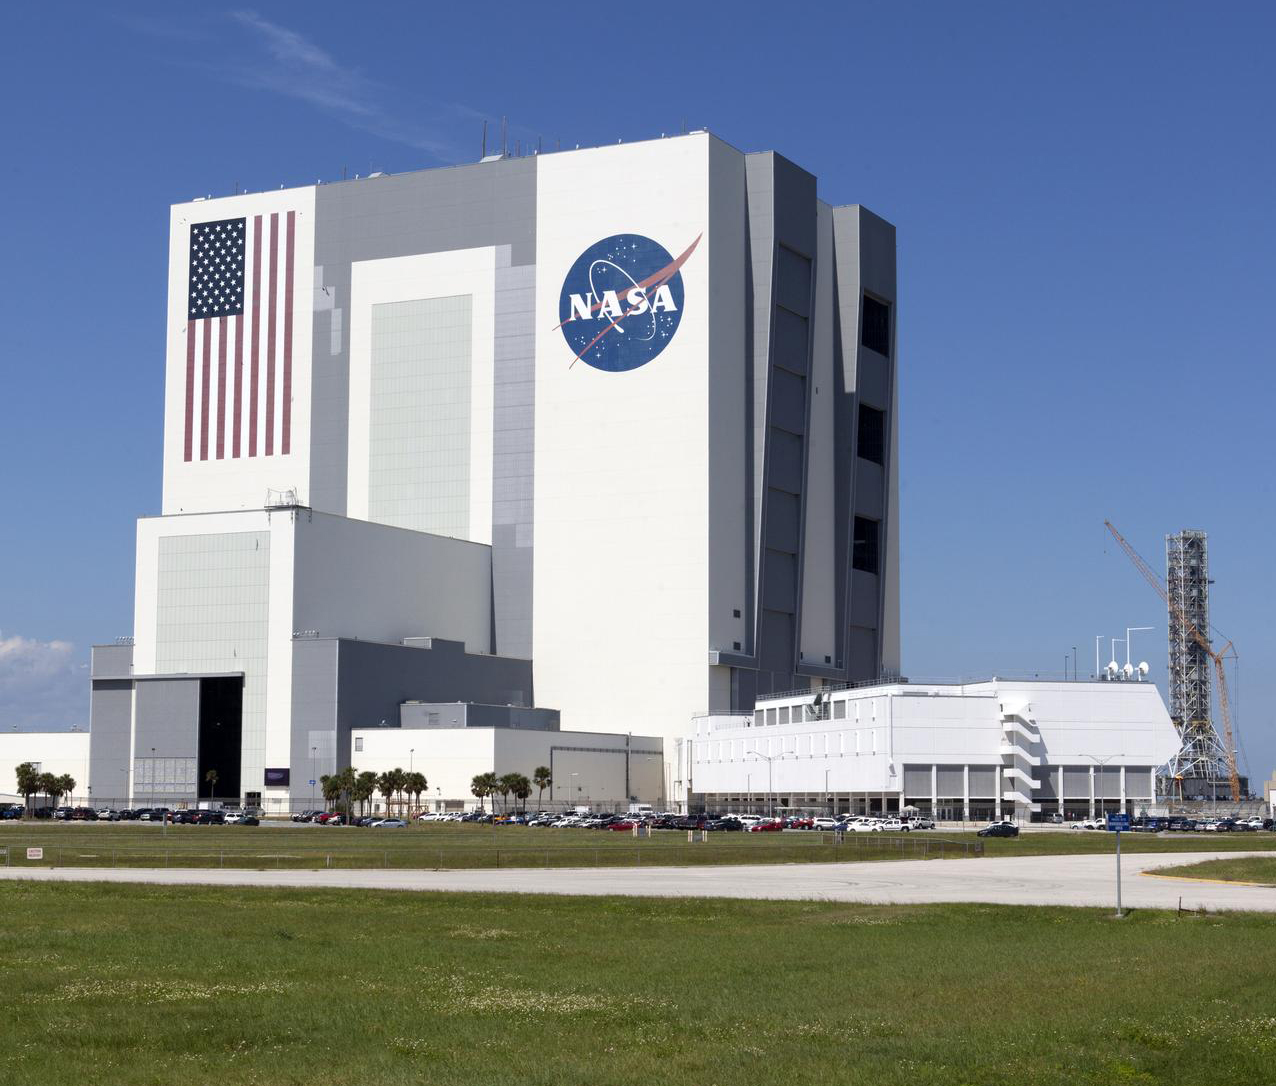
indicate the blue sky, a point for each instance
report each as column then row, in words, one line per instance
column 1083, row 194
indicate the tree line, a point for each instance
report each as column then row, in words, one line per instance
column 344, row 789
column 31, row 782
column 511, row 784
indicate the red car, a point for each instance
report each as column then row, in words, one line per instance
column 767, row 825
column 800, row 824
column 623, row 826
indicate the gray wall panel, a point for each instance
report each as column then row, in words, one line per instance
column 110, row 727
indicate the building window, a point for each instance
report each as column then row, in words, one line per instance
column 870, row 442
column 875, row 330
column 358, row 742
column 864, row 556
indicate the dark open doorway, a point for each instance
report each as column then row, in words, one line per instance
column 221, row 708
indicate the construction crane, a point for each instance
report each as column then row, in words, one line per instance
column 1201, row 638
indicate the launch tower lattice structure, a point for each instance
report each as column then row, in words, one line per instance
column 1202, row 760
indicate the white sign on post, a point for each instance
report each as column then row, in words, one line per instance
column 35, row 853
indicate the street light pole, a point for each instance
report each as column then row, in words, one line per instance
column 827, row 798
column 313, row 778
column 770, row 759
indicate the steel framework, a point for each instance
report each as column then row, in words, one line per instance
column 1202, row 757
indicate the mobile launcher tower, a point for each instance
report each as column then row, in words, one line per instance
column 1201, row 767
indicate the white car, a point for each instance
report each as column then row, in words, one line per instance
column 388, row 824
column 824, row 822
column 234, row 817
column 866, row 825
column 565, row 823
column 894, row 825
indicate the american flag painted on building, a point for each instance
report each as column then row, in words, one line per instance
column 239, row 332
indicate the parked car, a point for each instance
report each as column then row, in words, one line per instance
column 824, row 822
column 82, row 814
column 924, row 822
column 209, row 818
column 388, row 824
column 767, row 825
column 999, row 829
column 864, row 825
column 63, row 814
column 249, row 820
column 895, row 825
column 108, row 814
column 12, row 812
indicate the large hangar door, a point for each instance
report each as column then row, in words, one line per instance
column 221, row 716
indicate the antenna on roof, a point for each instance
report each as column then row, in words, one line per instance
column 505, row 136
column 484, row 154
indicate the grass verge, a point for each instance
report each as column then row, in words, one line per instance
column 1256, row 869
column 453, row 847
column 139, row 985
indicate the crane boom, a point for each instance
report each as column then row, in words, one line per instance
column 1200, row 637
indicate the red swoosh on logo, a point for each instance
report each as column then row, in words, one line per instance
column 656, row 279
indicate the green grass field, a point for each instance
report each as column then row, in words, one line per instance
column 112, row 984
column 1258, row 869
column 451, row 846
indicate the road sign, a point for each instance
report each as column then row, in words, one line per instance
column 35, row 854
column 1118, row 822
column 312, row 784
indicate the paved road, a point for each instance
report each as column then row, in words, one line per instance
column 1020, row 880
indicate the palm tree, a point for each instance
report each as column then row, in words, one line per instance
column 364, row 786
column 330, row 787
column 522, row 787
column 482, row 786
column 542, row 779
column 66, row 785
column 28, row 783
column 506, row 785
column 345, row 781
column 416, row 784
column 211, row 778
column 48, row 784
column 385, row 785
column 399, row 777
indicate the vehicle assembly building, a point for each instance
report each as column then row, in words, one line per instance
column 585, row 460
column 607, row 431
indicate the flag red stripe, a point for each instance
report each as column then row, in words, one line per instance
column 221, row 388
column 204, row 383
column 190, row 388
column 237, row 416
column 287, row 391
column 273, row 309
column 256, row 338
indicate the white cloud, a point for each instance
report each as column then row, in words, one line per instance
column 292, row 65
column 42, row 685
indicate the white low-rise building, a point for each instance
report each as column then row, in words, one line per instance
column 59, row 753
column 1027, row 750
column 452, row 744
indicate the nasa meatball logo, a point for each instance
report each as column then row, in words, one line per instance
column 622, row 302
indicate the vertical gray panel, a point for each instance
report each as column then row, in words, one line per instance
column 166, row 741
column 513, row 440
column 419, row 446
column 428, row 211
column 110, row 729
